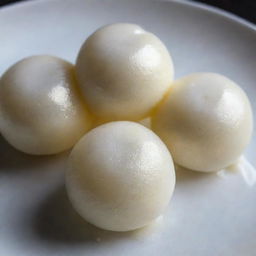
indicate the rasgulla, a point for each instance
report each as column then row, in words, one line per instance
column 120, row 176
column 123, row 72
column 206, row 121
column 41, row 111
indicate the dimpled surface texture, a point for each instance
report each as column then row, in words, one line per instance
column 206, row 121
column 40, row 110
column 120, row 177
column 123, row 72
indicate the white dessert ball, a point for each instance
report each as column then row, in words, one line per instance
column 123, row 72
column 41, row 111
column 120, row 176
column 206, row 122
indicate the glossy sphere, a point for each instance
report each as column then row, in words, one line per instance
column 123, row 71
column 40, row 109
column 206, row 121
column 121, row 176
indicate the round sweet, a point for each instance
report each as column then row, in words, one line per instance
column 120, row 176
column 41, row 111
column 123, row 72
column 206, row 122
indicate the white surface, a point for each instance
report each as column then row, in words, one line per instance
column 210, row 214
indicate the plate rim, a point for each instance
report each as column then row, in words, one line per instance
column 187, row 3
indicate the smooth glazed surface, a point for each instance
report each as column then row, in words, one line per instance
column 206, row 121
column 40, row 109
column 120, row 177
column 123, row 71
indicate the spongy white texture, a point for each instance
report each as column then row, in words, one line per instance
column 206, row 121
column 123, row 71
column 40, row 109
column 120, row 176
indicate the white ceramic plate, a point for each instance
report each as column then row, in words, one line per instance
column 210, row 215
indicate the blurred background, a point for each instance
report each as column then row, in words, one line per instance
column 243, row 8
